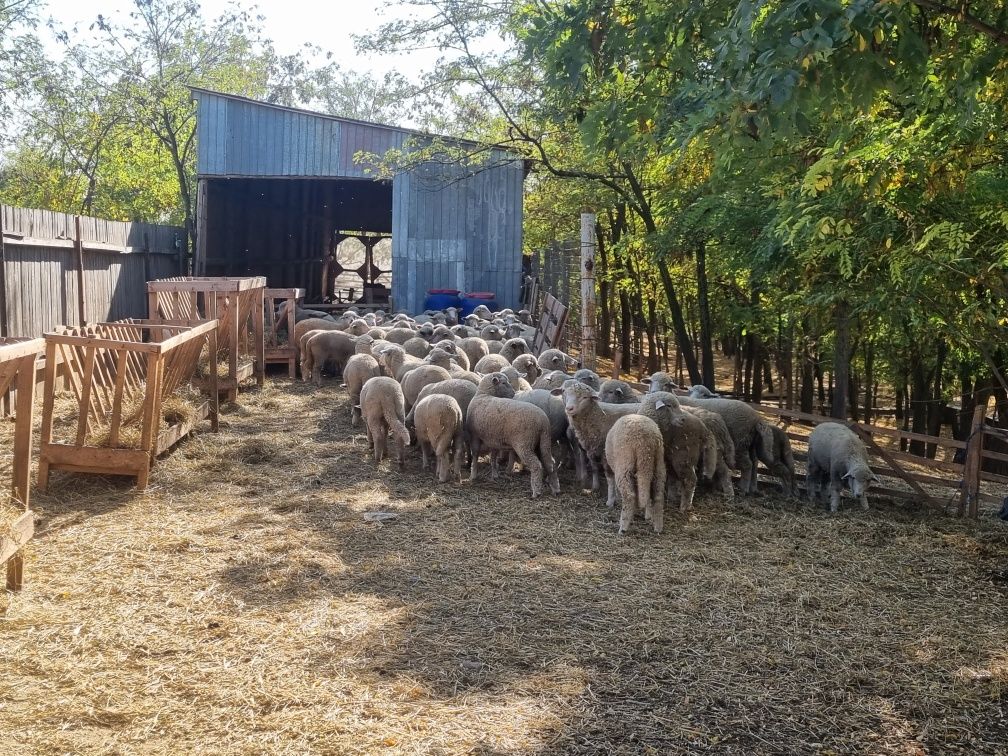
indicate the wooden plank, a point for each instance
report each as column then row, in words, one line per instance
column 900, row 473
column 87, row 383
column 21, row 465
column 21, row 531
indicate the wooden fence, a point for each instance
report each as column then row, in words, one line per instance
column 58, row 269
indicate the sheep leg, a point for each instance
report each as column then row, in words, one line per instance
column 723, row 479
column 459, row 446
column 535, row 468
column 753, row 471
column 423, row 454
column 658, row 494
column 611, row 487
column 549, row 465
column 644, row 480
column 687, row 486
column 442, row 451
column 864, row 501
column 836, row 489
column 355, row 411
column 380, row 441
column 629, row 498
column 400, row 452
column 474, row 452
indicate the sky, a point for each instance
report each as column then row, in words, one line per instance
column 289, row 23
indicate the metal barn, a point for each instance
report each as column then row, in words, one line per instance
column 281, row 195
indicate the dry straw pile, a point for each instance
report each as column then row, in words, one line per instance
column 243, row 604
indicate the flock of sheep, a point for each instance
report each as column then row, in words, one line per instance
column 462, row 388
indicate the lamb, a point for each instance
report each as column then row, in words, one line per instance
column 358, row 370
column 591, row 421
column 442, row 332
column 417, row 347
column 357, row 327
column 837, row 455
column 774, row 451
column 686, row 438
column 475, row 349
column 496, row 422
column 396, row 363
column 513, row 348
column 458, row 356
column 722, row 478
column 381, row 404
column 432, row 371
column 482, row 312
column 463, row 332
column 588, row 378
column 460, row 390
column 515, row 379
column 554, row 408
column 378, row 333
column 661, row 381
column 492, row 363
column 439, row 428
column 702, row 392
column 635, row 453
column 491, row 332
column 551, row 379
column 311, row 324
column 365, row 344
column 330, row 346
column 616, row 391
column 554, row 359
column 527, row 367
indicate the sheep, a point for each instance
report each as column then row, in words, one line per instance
column 439, row 428
column 462, row 391
column 426, row 330
column 589, row 378
column 356, row 373
column 512, row 348
column 527, row 367
column 311, row 324
column 330, row 346
column 381, row 404
column 686, row 438
column 378, row 333
column 365, row 344
column 560, row 431
column 358, row 327
column 837, row 455
column 463, row 332
column 396, row 363
column 458, row 356
column 515, row 379
column 591, row 421
column 635, row 454
column 399, row 335
column 497, row 422
column 442, row 332
column 430, row 372
column 554, row 359
column 475, row 349
column 722, row 479
column 417, row 347
column 551, row 379
column 616, row 391
column 482, row 312
column 701, row 392
column 492, row 332
column 492, row 363
column 661, row 381
column 774, row 451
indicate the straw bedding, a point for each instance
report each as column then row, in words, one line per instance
column 243, row 604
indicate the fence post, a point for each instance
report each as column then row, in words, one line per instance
column 969, row 493
column 588, row 358
column 79, row 250
column 4, row 328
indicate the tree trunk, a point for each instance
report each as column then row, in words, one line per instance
column 936, row 406
column 703, row 304
column 603, row 341
column 869, row 379
column 920, row 396
column 841, row 362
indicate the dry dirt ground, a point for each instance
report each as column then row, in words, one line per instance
column 243, row 604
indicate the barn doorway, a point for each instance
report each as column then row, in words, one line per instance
column 331, row 237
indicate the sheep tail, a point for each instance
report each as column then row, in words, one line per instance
column 711, row 454
column 396, row 426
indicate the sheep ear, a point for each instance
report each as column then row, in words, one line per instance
column 848, row 475
column 659, row 404
column 618, row 391
column 495, row 380
column 556, row 392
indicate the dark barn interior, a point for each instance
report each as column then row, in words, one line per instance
column 329, row 236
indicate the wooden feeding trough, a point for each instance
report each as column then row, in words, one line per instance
column 279, row 350
column 125, row 377
column 17, row 372
column 237, row 304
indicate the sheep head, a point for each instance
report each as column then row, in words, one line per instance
column 589, row 378
column 859, row 479
column 661, row 382
column 438, row 357
column 516, row 346
column 578, row 397
column 656, row 401
column 496, row 384
column 526, row 366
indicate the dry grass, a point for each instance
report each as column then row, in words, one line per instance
column 243, row 604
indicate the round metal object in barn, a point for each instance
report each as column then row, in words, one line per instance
column 441, row 299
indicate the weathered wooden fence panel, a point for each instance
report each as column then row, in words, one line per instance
column 55, row 266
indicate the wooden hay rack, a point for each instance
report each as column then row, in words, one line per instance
column 18, row 360
column 237, row 304
column 121, row 375
column 280, row 350
column 550, row 330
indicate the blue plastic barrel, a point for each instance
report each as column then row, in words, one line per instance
column 442, row 299
column 474, row 299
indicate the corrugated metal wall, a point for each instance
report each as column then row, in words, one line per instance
column 452, row 227
column 40, row 268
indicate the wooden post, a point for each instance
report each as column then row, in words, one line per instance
column 199, row 263
column 3, row 281
column 969, row 493
column 588, row 357
column 617, row 362
column 79, row 253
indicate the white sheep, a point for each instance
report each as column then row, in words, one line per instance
column 591, row 421
column 395, row 363
column 496, row 422
column 589, row 378
column 722, row 478
column 418, row 347
column 492, row 363
column 433, row 370
column 439, row 428
column 837, row 456
column 475, row 349
column 616, row 391
column 458, row 356
column 700, row 391
column 512, row 348
column 491, row 332
column 551, row 379
column 527, row 367
column 399, row 335
column 335, row 347
column 381, row 404
column 635, row 454
column 359, row 369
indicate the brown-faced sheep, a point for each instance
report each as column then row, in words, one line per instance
column 635, row 454
column 439, row 428
column 496, row 422
column 381, row 403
